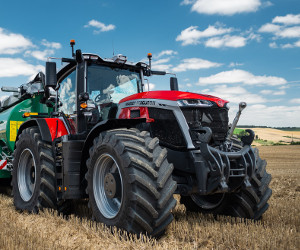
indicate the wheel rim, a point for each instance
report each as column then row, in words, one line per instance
column 208, row 201
column 26, row 174
column 108, row 202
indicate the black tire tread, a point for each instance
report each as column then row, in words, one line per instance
column 47, row 189
column 150, row 176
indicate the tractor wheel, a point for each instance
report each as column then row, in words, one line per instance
column 130, row 183
column 34, row 184
column 248, row 203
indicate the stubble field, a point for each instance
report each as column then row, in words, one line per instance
column 279, row 228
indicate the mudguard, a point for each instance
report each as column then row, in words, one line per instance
column 50, row 128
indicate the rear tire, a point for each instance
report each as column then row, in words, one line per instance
column 248, row 203
column 130, row 182
column 34, row 183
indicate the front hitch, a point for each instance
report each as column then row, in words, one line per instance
column 219, row 171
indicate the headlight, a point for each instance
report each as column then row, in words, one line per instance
column 194, row 102
column 227, row 105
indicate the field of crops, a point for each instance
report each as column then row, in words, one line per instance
column 279, row 228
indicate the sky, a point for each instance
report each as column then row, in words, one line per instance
column 239, row 50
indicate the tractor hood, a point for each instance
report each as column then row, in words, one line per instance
column 174, row 96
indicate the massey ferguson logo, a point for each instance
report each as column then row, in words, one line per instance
column 141, row 103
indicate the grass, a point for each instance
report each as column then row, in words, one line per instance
column 238, row 131
column 278, row 229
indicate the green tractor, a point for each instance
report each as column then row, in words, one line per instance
column 92, row 131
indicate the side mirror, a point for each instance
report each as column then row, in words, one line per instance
column 173, row 83
column 51, row 78
column 79, row 56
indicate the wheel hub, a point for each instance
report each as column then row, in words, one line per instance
column 107, row 186
column 26, row 174
column 112, row 185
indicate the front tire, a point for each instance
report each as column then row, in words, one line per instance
column 33, row 175
column 130, row 182
column 248, row 203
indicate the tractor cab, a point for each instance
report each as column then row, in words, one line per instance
column 89, row 87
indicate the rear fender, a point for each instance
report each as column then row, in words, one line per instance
column 50, row 128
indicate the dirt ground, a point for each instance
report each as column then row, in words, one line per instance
column 279, row 228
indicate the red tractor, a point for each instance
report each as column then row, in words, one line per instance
column 128, row 151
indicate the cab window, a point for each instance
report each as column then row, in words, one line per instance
column 67, row 94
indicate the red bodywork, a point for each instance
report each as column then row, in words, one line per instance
column 56, row 127
column 173, row 96
column 125, row 113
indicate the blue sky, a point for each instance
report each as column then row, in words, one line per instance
column 240, row 50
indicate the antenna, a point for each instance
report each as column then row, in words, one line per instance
column 113, row 47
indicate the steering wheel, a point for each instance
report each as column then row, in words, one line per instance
column 98, row 98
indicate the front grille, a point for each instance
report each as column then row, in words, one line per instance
column 166, row 128
column 215, row 118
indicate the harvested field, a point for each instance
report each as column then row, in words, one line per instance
column 279, row 228
column 276, row 135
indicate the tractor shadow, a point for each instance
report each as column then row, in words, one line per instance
column 5, row 187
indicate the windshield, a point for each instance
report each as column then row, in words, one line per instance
column 110, row 85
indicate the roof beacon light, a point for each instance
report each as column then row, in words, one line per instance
column 72, row 43
column 150, row 58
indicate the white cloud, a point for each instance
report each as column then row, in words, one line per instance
column 260, row 114
column 236, row 94
column 241, row 76
column 266, row 92
column 266, row 4
column 221, row 7
column 12, row 67
column 226, row 41
column 281, row 31
column 235, row 64
column 287, row 46
column 291, row 32
column 288, row 19
column 166, row 53
column 296, row 100
column 272, row 92
column 187, row 2
column 270, row 28
column 192, row 35
column 52, row 45
column 257, row 112
column 160, row 60
column 195, row 64
column 161, row 65
column 285, row 27
column 273, row 45
column 101, row 27
column 216, row 36
column 40, row 55
column 150, row 86
column 11, row 43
